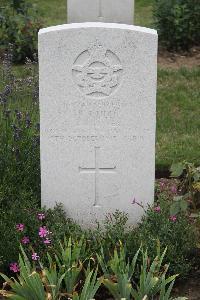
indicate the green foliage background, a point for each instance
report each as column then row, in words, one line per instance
column 178, row 23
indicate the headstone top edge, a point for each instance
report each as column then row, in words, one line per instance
column 97, row 25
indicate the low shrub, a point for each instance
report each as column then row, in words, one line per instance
column 41, row 230
column 19, row 25
column 176, row 232
column 189, row 185
column 38, row 230
column 178, row 23
column 67, row 276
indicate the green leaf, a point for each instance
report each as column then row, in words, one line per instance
column 178, row 198
column 174, row 208
column 180, row 298
column 183, row 205
column 112, row 287
column 177, row 169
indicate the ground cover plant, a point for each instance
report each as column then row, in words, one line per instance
column 67, row 276
column 189, row 186
column 41, row 230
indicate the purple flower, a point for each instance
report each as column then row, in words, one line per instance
column 173, row 218
column 18, row 114
column 25, row 240
column 20, row 227
column 35, row 256
column 157, row 209
column 28, row 121
column 41, row 216
column 14, row 267
column 47, row 241
column 43, row 232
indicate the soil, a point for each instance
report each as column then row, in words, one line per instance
column 189, row 288
column 175, row 60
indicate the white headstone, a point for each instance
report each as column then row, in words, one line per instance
column 98, row 117
column 112, row 11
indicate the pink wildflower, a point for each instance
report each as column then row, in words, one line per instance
column 35, row 256
column 20, row 227
column 173, row 218
column 14, row 267
column 157, row 209
column 43, row 232
column 162, row 184
column 174, row 189
column 25, row 240
column 41, row 216
column 47, row 241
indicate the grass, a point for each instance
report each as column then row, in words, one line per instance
column 178, row 121
column 143, row 13
column 53, row 12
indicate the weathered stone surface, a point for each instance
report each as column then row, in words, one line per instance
column 112, row 11
column 98, row 117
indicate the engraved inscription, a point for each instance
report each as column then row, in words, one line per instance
column 97, row 71
column 96, row 111
column 97, row 170
column 97, row 138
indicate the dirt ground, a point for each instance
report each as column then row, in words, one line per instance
column 189, row 288
column 176, row 60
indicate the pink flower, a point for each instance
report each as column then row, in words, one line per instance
column 43, row 232
column 174, row 189
column 14, row 267
column 20, row 227
column 162, row 184
column 25, row 240
column 157, row 209
column 47, row 241
column 173, row 218
column 41, row 216
column 35, row 256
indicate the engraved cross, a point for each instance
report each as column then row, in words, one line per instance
column 97, row 170
column 100, row 9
